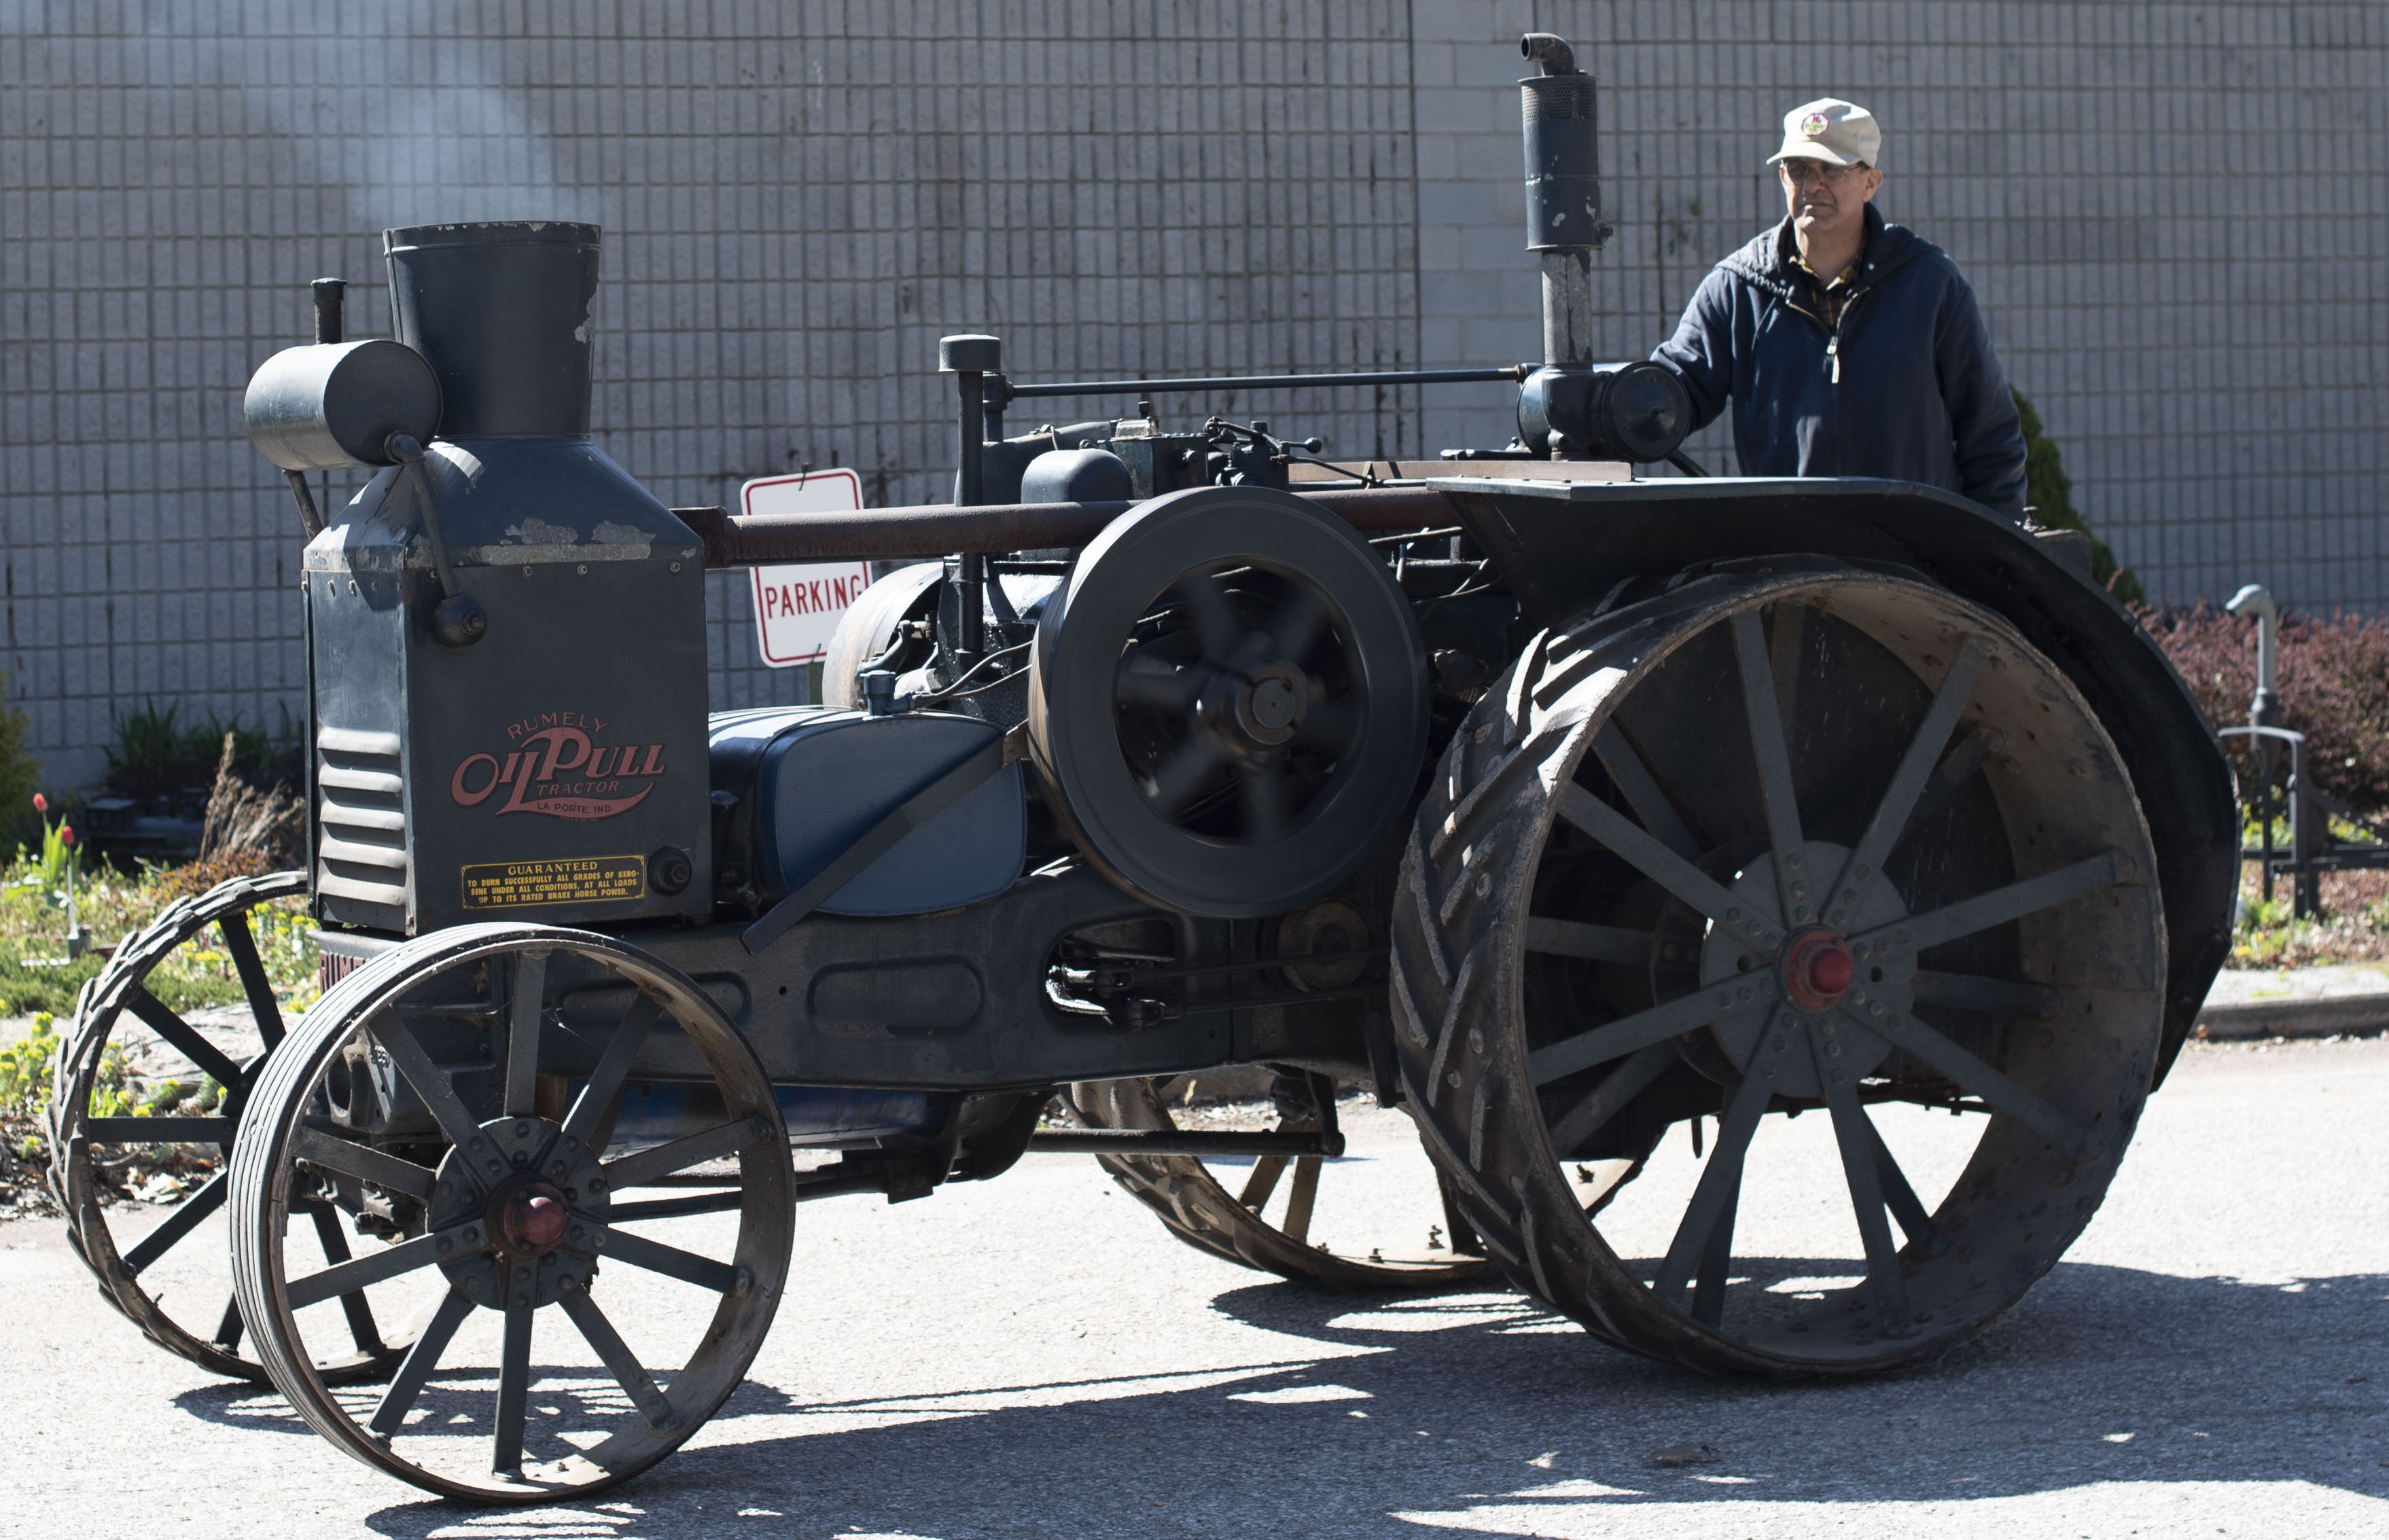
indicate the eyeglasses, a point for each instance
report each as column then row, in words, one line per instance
column 1800, row 171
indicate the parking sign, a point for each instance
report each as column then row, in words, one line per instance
column 796, row 609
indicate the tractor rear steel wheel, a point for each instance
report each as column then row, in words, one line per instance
column 187, row 1072
column 1789, row 838
column 1229, row 702
column 1384, row 1226
column 465, row 1083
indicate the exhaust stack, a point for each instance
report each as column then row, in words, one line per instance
column 1571, row 409
column 1563, row 193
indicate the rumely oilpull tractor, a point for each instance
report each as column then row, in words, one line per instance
column 1555, row 807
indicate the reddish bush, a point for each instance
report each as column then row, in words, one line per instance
column 2334, row 687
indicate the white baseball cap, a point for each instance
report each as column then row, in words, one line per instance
column 1838, row 132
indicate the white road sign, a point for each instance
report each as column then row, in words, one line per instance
column 798, row 607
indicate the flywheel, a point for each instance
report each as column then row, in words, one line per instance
column 1228, row 703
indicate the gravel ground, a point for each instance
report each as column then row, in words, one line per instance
column 1036, row 1357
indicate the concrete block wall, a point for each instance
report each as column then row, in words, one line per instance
column 2174, row 213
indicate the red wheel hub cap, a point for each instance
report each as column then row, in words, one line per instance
column 534, row 1219
column 1817, row 971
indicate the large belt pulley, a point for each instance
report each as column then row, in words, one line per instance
column 1229, row 704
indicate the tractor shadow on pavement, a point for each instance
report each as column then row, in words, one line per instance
column 1389, row 1414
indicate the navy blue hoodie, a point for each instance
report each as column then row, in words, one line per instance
column 1909, row 389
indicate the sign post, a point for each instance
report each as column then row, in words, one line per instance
column 798, row 608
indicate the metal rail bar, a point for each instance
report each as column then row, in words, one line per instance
column 1512, row 373
column 1174, row 1141
column 941, row 529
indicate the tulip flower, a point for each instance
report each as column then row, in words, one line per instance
column 41, row 804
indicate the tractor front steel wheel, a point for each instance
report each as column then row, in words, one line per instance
column 148, row 1095
column 1789, row 838
column 464, row 1086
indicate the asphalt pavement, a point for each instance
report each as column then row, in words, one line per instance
column 1036, row 1357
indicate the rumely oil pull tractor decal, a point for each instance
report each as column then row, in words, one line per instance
column 560, row 769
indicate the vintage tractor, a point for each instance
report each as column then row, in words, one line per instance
column 1558, row 808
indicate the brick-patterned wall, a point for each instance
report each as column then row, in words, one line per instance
column 2174, row 214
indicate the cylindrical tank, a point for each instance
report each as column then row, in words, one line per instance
column 502, row 311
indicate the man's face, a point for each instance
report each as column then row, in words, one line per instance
column 1826, row 200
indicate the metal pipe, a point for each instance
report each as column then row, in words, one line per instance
column 1170, row 1141
column 941, row 529
column 329, row 325
column 2266, row 710
column 970, row 358
column 1567, row 307
column 1511, row 372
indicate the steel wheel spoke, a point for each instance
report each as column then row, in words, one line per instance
column 1992, row 997
column 1154, row 683
column 1721, row 1177
column 1621, row 1086
column 1655, row 861
column 1303, row 1199
column 637, row 1250
column 421, row 1359
column 1919, row 1041
column 1262, row 1182
column 159, row 1130
column 1861, row 1150
column 681, row 1153
column 204, row 1055
column 613, row 1067
column 430, row 1083
column 1261, row 795
column 523, row 1021
column 676, row 1208
column 615, row 1355
column 1642, row 791
column 1644, row 1028
column 346, row 1277
column 514, row 1389
column 1717, row 1263
column 184, row 1219
column 1770, row 747
column 1784, row 636
column 242, row 944
column 1923, row 932
column 228, row 1328
column 364, row 1163
column 1215, row 615
column 1892, row 814
column 1592, row 943
column 353, row 1304
column 1956, row 768
column 1186, row 771
column 1899, row 1197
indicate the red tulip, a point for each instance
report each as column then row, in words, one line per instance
column 66, row 836
column 41, row 804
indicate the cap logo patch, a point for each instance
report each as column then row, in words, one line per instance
column 1813, row 125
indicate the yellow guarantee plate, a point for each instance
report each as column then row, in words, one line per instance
column 519, row 885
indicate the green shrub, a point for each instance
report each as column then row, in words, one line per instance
column 158, row 762
column 2048, row 492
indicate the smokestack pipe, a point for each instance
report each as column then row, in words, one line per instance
column 1564, row 223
